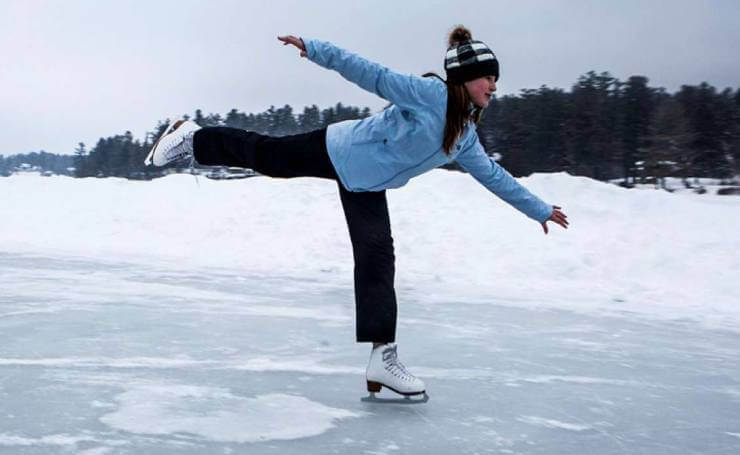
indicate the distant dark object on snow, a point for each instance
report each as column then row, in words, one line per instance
column 733, row 190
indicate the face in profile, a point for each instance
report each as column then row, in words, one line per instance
column 481, row 90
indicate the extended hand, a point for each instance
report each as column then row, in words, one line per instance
column 295, row 41
column 556, row 217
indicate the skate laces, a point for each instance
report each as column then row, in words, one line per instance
column 393, row 365
column 174, row 149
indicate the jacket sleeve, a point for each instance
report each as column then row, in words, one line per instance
column 497, row 180
column 406, row 91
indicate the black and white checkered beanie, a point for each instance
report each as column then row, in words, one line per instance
column 470, row 60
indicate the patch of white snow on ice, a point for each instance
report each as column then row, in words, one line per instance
column 216, row 414
column 549, row 379
column 552, row 423
column 97, row 451
column 51, row 440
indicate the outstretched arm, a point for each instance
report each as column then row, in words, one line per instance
column 498, row 181
column 404, row 90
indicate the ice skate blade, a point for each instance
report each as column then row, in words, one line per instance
column 405, row 400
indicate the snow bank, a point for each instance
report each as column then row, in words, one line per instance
column 668, row 255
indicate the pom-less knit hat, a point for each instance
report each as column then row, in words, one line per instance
column 470, row 60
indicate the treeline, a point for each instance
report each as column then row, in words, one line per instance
column 58, row 164
column 602, row 128
column 123, row 156
column 608, row 129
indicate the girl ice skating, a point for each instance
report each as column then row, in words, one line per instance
column 430, row 122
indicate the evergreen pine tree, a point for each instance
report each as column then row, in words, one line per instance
column 593, row 148
column 80, row 160
column 709, row 122
column 667, row 143
column 636, row 108
column 310, row 119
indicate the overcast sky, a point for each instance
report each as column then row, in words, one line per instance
column 78, row 70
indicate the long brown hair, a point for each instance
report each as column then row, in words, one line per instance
column 458, row 112
column 460, row 107
column 459, row 103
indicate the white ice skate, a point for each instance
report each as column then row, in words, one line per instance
column 384, row 370
column 175, row 143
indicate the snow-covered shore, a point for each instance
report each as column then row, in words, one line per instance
column 660, row 254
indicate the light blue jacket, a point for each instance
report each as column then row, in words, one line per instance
column 387, row 149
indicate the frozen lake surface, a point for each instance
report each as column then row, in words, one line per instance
column 129, row 358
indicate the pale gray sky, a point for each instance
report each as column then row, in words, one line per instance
column 77, row 70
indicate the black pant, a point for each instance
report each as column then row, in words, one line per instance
column 305, row 155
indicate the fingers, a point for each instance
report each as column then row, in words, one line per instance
column 294, row 40
column 562, row 220
column 559, row 217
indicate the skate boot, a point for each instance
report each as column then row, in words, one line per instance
column 175, row 143
column 384, row 370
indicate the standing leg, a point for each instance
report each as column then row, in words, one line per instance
column 305, row 155
column 372, row 245
column 299, row 155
